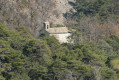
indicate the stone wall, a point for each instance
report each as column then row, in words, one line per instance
column 62, row 37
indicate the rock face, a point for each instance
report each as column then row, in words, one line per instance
column 32, row 13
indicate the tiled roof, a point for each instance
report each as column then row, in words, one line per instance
column 58, row 30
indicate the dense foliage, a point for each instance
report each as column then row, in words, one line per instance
column 22, row 57
column 102, row 9
column 94, row 19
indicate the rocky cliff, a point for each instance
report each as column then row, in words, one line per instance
column 32, row 13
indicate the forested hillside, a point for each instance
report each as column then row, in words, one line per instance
column 95, row 19
column 94, row 55
column 22, row 57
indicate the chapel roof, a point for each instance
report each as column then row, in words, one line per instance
column 57, row 30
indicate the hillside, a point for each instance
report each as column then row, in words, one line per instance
column 22, row 57
column 33, row 13
column 93, row 53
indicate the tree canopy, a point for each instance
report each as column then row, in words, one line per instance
column 22, row 57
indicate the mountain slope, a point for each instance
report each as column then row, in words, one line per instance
column 32, row 13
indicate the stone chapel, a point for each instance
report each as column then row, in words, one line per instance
column 61, row 33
